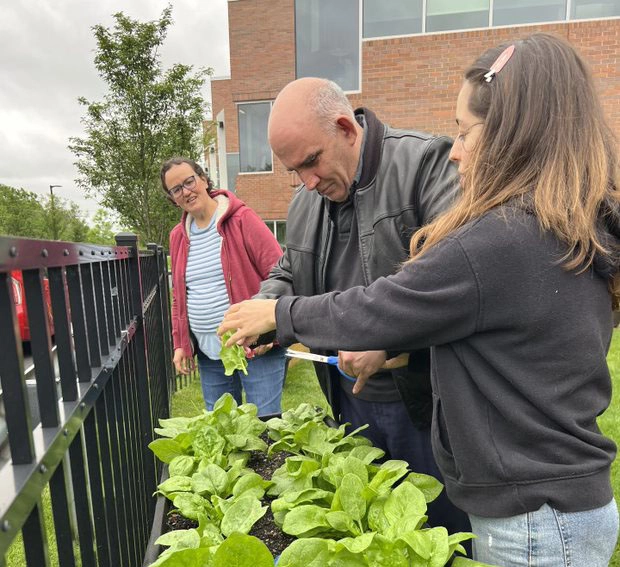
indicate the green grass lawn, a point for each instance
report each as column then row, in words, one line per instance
column 302, row 386
column 609, row 422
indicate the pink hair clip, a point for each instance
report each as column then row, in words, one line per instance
column 499, row 63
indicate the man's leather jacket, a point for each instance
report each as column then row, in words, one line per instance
column 406, row 180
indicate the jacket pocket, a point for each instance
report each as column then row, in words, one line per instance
column 441, row 443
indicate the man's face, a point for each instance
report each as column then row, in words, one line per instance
column 326, row 162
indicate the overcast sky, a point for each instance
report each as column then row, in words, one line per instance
column 46, row 62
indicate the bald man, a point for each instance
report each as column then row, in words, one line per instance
column 366, row 189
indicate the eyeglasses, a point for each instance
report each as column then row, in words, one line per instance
column 460, row 138
column 177, row 190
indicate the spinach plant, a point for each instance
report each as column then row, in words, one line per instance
column 233, row 357
column 346, row 508
column 187, row 549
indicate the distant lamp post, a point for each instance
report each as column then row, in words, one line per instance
column 53, row 212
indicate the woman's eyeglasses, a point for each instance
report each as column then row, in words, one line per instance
column 189, row 184
column 460, row 138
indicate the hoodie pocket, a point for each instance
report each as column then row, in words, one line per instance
column 441, row 442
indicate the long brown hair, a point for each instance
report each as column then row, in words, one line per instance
column 544, row 145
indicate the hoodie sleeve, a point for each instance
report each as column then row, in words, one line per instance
column 173, row 245
column 262, row 246
column 432, row 301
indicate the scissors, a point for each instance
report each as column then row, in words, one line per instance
column 333, row 360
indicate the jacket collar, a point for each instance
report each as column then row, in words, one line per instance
column 223, row 202
column 373, row 146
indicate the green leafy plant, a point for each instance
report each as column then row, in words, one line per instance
column 303, row 431
column 233, row 357
column 186, row 549
column 345, row 508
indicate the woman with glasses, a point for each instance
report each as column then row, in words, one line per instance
column 514, row 289
column 220, row 252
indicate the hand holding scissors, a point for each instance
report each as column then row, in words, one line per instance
column 333, row 360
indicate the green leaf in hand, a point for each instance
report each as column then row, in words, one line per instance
column 233, row 357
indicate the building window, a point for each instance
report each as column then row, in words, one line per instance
column 444, row 15
column 254, row 150
column 384, row 18
column 585, row 9
column 392, row 17
column 278, row 227
column 509, row 12
column 232, row 170
column 328, row 42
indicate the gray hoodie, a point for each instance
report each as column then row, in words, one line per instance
column 518, row 359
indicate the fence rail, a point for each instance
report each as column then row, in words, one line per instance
column 111, row 326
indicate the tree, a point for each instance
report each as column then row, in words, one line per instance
column 102, row 229
column 23, row 213
column 147, row 116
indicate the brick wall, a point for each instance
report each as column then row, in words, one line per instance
column 413, row 82
column 410, row 82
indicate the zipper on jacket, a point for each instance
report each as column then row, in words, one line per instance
column 228, row 270
column 365, row 271
column 326, row 254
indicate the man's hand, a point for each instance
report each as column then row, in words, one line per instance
column 361, row 365
column 183, row 364
column 249, row 319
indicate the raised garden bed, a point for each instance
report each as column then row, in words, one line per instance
column 247, row 492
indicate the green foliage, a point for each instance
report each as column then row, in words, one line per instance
column 233, row 357
column 347, row 510
column 101, row 230
column 208, row 479
column 344, row 508
column 609, row 422
column 21, row 213
column 301, row 385
column 26, row 214
column 148, row 115
column 303, row 429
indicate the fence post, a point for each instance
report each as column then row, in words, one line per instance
column 144, row 395
column 164, row 302
column 167, row 318
column 18, row 417
column 172, row 384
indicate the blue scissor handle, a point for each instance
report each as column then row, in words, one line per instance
column 334, row 361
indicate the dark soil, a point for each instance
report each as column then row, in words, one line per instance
column 270, row 534
column 263, row 464
column 265, row 529
column 177, row 522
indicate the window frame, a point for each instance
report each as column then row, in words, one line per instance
column 248, row 102
column 360, row 28
column 272, row 225
column 567, row 19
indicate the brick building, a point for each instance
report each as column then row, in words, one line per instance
column 403, row 59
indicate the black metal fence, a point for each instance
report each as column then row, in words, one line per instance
column 88, row 455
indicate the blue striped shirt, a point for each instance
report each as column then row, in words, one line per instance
column 207, row 297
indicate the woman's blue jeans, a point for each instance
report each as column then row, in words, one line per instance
column 263, row 384
column 548, row 538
